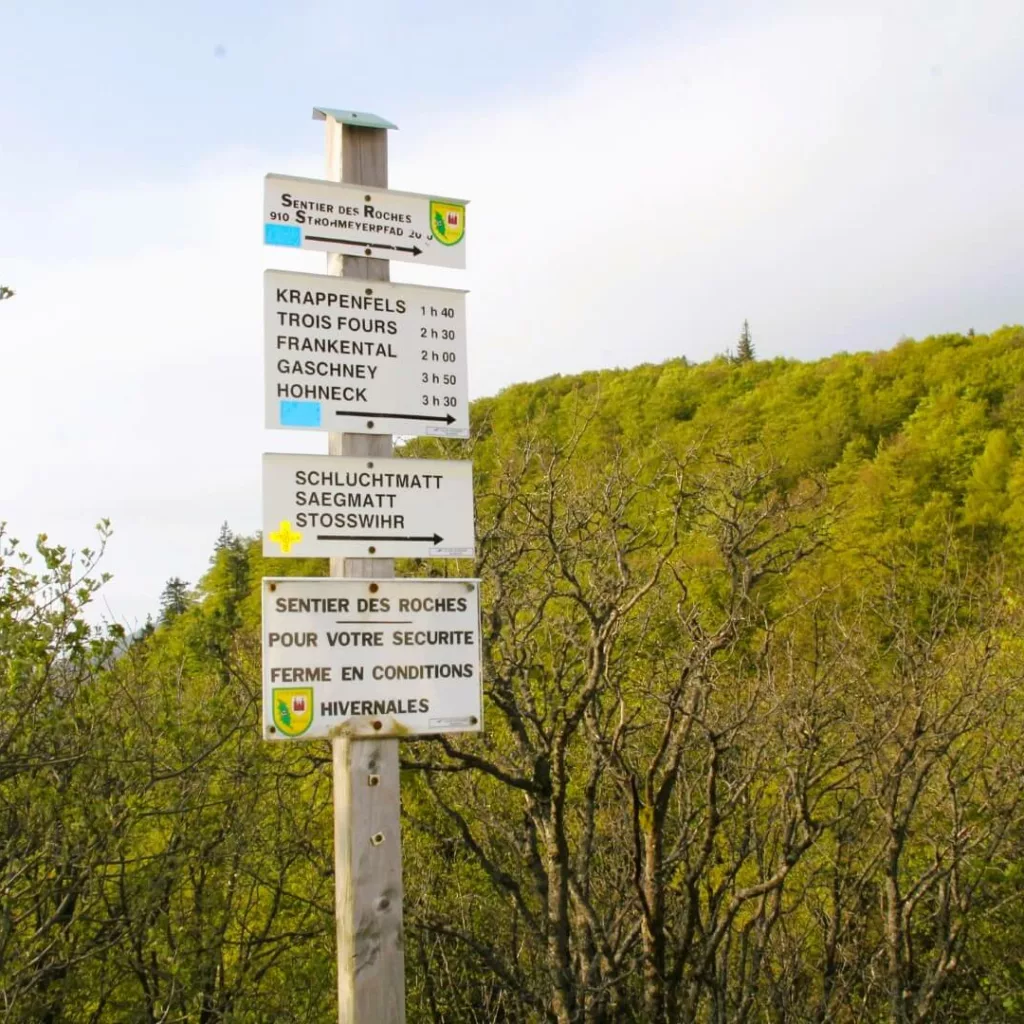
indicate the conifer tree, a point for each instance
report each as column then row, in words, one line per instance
column 174, row 600
column 745, row 348
column 225, row 539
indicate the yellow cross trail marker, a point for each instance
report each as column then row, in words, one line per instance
column 284, row 536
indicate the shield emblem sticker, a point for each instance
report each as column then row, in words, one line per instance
column 293, row 709
column 447, row 221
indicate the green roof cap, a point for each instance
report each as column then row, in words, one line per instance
column 358, row 118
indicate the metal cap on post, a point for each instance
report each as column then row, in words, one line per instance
column 356, row 118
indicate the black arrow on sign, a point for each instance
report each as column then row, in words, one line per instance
column 414, row 249
column 436, row 538
column 449, row 418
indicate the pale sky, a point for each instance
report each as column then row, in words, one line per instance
column 643, row 176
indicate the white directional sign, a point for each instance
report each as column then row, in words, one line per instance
column 370, row 657
column 364, row 356
column 357, row 220
column 323, row 505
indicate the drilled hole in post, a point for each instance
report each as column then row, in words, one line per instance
column 373, row 780
column 377, row 838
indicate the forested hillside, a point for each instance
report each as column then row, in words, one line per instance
column 754, row 649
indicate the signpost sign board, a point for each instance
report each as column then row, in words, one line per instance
column 375, row 658
column 328, row 505
column 358, row 220
column 370, row 357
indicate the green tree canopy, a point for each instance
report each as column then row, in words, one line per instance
column 753, row 639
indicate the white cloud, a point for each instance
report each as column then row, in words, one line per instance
column 840, row 175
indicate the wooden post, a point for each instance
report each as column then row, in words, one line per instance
column 367, row 826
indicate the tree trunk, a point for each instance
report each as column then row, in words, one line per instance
column 894, row 940
column 653, row 924
column 563, row 995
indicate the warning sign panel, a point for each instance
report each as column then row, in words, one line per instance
column 370, row 657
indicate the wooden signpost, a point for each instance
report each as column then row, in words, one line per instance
column 350, row 676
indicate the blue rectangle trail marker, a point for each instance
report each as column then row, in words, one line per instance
column 282, row 234
column 300, row 414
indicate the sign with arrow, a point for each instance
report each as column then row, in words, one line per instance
column 357, row 220
column 364, row 356
column 323, row 505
